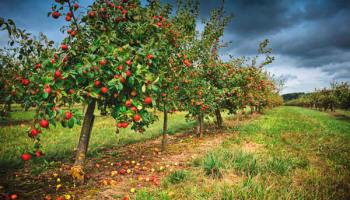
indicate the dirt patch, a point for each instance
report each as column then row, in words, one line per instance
column 249, row 146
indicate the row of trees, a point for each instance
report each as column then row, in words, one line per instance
column 336, row 96
column 125, row 59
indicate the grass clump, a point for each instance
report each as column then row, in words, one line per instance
column 177, row 177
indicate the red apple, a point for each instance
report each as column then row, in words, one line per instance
column 128, row 73
column 58, row 74
column 68, row 115
column 92, row 14
column 26, row 156
column 13, row 196
column 56, row 15
column 68, row 18
column 47, row 90
column 44, row 123
column 129, row 62
column 34, row 132
column 122, row 171
column 134, row 109
column 38, row 153
column 97, row 83
column 150, row 56
column 73, row 33
column 128, row 103
column 120, row 67
column 122, row 79
column 37, row 66
column 103, row 62
column 64, row 47
column 125, row 124
column 76, row 6
column 148, row 100
column 104, row 90
column 25, row 82
column 137, row 117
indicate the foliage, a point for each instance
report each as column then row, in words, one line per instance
column 337, row 96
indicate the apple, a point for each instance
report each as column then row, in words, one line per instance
column 26, row 156
column 37, row 66
column 64, row 47
column 13, row 196
column 134, row 109
column 128, row 73
column 92, row 14
column 25, row 82
column 187, row 63
column 148, row 100
column 159, row 24
column 68, row 18
column 120, row 67
column 122, row 79
column 120, row 125
column 68, row 115
column 133, row 93
column 71, row 91
column 125, row 124
column 56, row 15
column 58, row 74
column 122, row 171
column 76, row 6
column 129, row 62
column 47, row 90
column 44, row 123
column 73, row 33
column 137, row 117
column 34, row 132
column 38, row 153
column 128, row 103
column 104, row 90
column 97, row 83
column 103, row 62
column 150, row 56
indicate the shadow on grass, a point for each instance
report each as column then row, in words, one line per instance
column 341, row 117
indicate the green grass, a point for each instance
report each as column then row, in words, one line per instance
column 59, row 143
column 288, row 153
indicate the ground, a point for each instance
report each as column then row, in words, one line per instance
column 285, row 153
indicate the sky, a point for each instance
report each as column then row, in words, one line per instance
column 310, row 39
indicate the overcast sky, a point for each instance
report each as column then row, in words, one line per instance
column 310, row 39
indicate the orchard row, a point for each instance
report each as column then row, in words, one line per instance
column 336, row 96
column 129, row 60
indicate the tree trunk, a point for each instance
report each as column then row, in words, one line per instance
column 219, row 120
column 201, row 124
column 199, row 128
column 165, row 129
column 78, row 167
column 9, row 106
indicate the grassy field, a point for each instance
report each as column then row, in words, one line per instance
column 289, row 153
column 59, row 143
